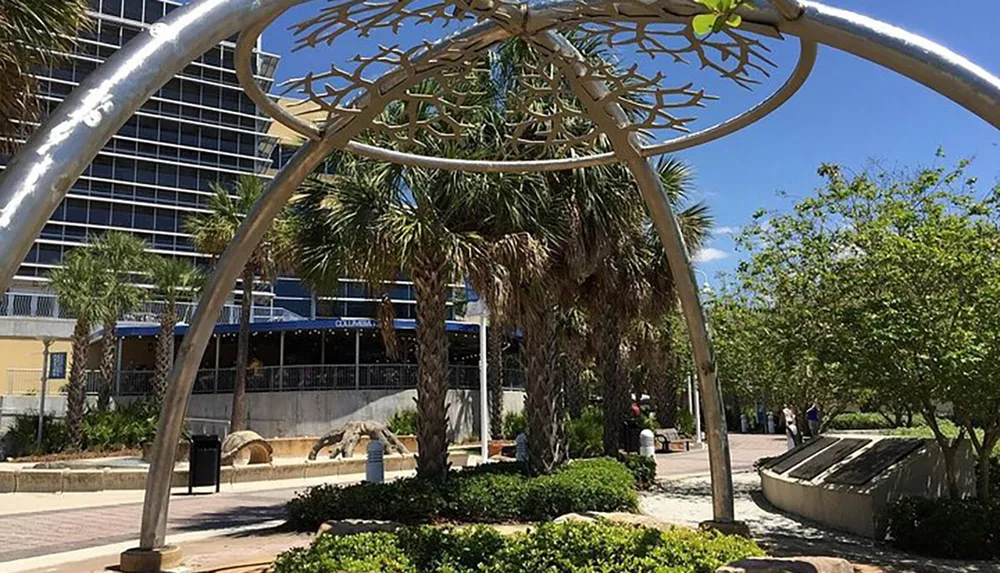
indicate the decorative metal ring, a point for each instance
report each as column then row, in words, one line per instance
column 248, row 39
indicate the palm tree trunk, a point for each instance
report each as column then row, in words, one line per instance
column 430, row 281
column 572, row 362
column 238, row 420
column 164, row 350
column 494, row 371
column 108, row 356
column 663, row 386
column 542, row 396
column 76, row 392
column 614, row 383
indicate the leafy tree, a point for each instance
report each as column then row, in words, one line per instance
column 80, row 285
column 175, row 280
column 882, row 287
column 34, row 34
column 212, row 233
column 121, row 256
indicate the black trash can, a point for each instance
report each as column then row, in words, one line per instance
column 205, row 466
column 630, row 436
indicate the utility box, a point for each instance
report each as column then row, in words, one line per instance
column 205, row 466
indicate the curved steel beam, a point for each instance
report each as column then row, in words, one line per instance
column 627, row 146
column 36, row 180
column 935, row 66
column 214, row 295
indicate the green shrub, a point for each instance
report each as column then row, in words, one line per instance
column 491, row 493
column 685, row 422
column 552, row 548
column 404, row 422
column 859, row 421
column 21, row 438
column 585, row 435
column 601, row 484
column 514, row 423
column 958, row 529
column 643, row 469
column 126, row 426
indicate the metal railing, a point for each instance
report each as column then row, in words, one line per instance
column 268, row 379
column 41, row 305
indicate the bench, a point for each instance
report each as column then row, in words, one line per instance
column 670, row 440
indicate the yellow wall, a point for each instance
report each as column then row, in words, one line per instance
column 19, row 354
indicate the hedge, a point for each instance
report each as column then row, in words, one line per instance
column 952, row 528
column 552, row 548
column 859, row 421
column 487, row 493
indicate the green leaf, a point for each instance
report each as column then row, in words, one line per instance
column 703, row 23
column 734, row 21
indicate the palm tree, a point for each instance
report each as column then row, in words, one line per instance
column 638, row 277
column 375, row 221
column 174, row 280
column 80, row 285
column 212, row 233
column 121, row 255
column 34, row 34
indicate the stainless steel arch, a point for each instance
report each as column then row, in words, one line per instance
column 36, row 181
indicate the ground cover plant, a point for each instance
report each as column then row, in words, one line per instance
column 553, row 548
column 501, row 492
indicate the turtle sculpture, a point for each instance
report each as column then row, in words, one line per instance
column 260, row 450
column 345, row 438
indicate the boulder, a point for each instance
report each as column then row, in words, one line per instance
column 788, row 565
column 636, row 519
column 259, row 450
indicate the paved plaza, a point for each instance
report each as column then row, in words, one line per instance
column 34, row 525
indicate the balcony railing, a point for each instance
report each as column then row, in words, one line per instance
column 269, row 379
column 40, row 305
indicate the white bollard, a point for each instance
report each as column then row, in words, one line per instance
column 375, row 468
column 647, row 443
column 521, row 441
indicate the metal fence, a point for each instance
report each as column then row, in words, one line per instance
column 268, row 379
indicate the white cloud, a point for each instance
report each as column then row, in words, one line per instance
column 709, row 254
column 727, row 230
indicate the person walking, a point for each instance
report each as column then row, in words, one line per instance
column 791, row 429
column 812, row 418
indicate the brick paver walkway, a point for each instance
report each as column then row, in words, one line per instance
column 32, row 534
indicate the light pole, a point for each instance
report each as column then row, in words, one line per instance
column 46, row 342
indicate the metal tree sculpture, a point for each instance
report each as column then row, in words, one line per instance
column 566, row 100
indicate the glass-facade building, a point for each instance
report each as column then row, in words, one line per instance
column 198, row 131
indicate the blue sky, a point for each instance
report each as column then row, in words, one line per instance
column 849, row 111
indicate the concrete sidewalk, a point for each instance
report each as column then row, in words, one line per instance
column 42, row 524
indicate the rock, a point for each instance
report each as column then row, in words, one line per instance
column 788, row 565
column 726, row 527
column 249, row 441
column 352, row 526
column 636, row 519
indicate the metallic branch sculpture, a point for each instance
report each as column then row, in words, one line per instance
column 345, row 439
column 563, row 101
